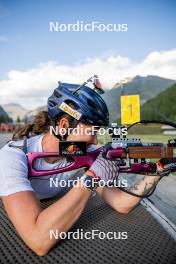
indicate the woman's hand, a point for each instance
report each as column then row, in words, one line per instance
column 105, row 168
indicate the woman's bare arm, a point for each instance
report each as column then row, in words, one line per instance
column 34, row 224
column 123, row 202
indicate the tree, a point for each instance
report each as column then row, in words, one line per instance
column 5, row 119
column 18, row 120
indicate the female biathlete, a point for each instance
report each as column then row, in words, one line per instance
column 21, row 195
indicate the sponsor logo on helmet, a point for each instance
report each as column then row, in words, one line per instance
column 69, row 110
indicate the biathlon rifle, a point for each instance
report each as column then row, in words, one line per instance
column 131, row 153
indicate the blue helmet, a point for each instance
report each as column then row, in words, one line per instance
column 81, row 102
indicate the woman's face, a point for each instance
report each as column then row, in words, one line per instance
column 84, row 132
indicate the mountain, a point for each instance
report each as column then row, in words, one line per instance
column 15, row 110
column 162, row 106
column 3, row 112
column 30, row 114
column 4, row 116
column 147, row 87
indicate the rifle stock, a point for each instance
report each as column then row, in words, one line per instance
column 151, row 152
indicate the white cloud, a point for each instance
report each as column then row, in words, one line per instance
column 3, row 38
column 32, row 87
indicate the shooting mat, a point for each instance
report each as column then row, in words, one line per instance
column 147, row 241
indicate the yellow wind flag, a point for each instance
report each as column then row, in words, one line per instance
column 130, row 109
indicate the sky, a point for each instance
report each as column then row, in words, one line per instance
column 33, row 59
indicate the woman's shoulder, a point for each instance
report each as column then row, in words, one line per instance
column 12, row 150
column 13, row 169
column 15, row 149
